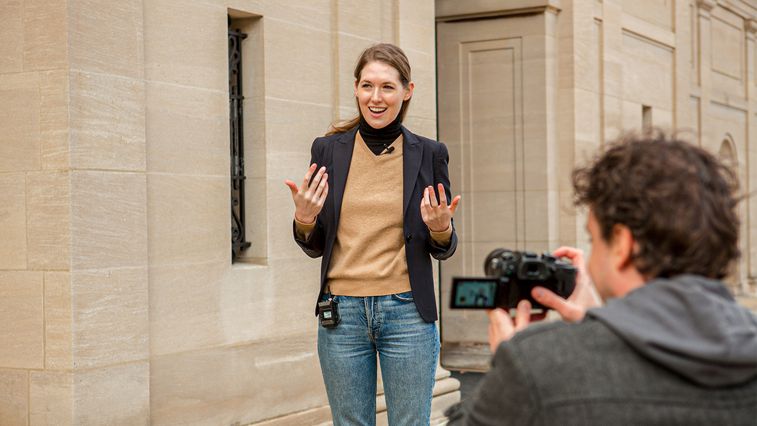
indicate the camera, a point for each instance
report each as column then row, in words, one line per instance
column 510, row 276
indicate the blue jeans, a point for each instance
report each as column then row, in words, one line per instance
column 407, row 348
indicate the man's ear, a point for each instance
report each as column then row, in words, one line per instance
column 622, row 246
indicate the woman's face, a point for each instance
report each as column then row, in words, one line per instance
column 380, row 93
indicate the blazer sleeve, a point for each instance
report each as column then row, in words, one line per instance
column 441, row 175
column 314, row 244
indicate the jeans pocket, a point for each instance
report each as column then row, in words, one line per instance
column 404, row 297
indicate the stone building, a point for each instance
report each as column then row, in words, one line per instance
column 119, row 300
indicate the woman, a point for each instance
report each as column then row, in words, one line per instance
column 375, row 240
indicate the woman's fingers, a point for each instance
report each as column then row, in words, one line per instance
column 308, row 175
column 316, row 180
column 442, row 195
column 292, row 187
column 432, row 196
column 322, row 200
column 321, row 185
column 453, row 205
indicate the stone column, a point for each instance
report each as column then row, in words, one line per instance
column 749, row 285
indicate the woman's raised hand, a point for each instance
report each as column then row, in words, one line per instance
column 437, row 215
column 310, row 196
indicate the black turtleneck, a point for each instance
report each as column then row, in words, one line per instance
column 379, row 139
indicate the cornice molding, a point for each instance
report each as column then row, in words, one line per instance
column 751, row 26
column 707, row 5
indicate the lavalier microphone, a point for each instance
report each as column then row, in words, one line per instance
column 388, row 149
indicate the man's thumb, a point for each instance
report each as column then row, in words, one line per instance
column 567, row 310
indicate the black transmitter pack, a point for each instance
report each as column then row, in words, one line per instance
column 328, row 313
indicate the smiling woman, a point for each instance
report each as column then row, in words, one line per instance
column 368, row 206
column 380, row 94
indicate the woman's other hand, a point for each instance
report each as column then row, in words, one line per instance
column 437, row 215
column 310, row 196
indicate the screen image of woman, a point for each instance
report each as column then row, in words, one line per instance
column 375, row 205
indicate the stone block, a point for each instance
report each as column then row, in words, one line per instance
column 45, row 34
column 416, row 23
column 659, row 13
column 107, row 117
column 110, row 315
column 19, row 119
column 48, row 220
column 106, row 38
column 108, row 220
column 22, row 316
column 363, row 19
column 647, row 72
column 728, row 44
column 59, row 321
column 14, row 397
column 315, row 14
column 53, row 120
column 186, row 306
column 187, row 130
column 13, row 250
column 189, row 219
column 492, row 216
column 312, row 121
column 113, row 395
column 228, row 381
column 298, row 63
column 12, row 36
column 187, row 44
column 51, row 398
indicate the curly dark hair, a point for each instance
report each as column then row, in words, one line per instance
column 678, row 200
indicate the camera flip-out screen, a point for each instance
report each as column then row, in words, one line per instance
column 474, row 293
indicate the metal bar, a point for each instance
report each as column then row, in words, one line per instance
column 236, row 133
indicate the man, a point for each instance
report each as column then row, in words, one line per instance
column 671, row 346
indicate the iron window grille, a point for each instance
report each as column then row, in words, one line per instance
column 236, row 104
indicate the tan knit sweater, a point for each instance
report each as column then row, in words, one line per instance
column 369, row 252
column 368, row 257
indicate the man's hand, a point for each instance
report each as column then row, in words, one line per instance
column 501, row 326
column 584, row 296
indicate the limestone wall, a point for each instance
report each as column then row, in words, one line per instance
column 118, row 298
column 528, row 89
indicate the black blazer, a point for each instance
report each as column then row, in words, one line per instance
column 424, row 163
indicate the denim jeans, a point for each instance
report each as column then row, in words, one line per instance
column 407, row 349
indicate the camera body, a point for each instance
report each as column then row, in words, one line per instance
column 511, row 275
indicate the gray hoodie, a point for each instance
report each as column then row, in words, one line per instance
column 674, row 352
column 690, row 325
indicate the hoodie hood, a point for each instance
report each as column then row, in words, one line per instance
column 688, row 324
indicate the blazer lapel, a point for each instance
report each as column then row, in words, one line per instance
column 412, row 153
column 341, row 167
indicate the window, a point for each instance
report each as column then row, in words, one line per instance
column 236, row 128
column 646, row 117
